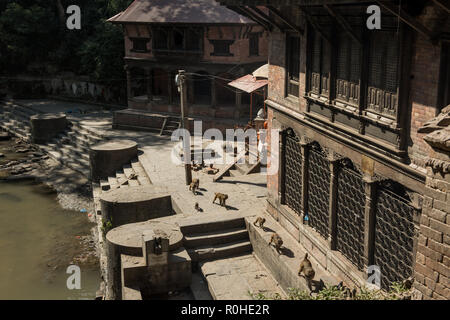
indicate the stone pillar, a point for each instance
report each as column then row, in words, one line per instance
column 370, row 185
column 238, row 107
column 170, row 86
column 304, row 142
column 128, row 72
column 282, row 164
column 213, row 93
column 149, row 76
column 332, row 209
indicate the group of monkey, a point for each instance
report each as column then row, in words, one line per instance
column 305, row 270
column 195, row 185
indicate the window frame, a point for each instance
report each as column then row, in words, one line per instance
column 216, row 44
column 135, row 40
column 253, row 44
column 292, row 80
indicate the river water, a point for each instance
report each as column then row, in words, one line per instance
column 38, row 241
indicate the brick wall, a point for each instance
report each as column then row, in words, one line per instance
column 272, row 180
column 432, row 269
column 239, row 49
column 423, row 94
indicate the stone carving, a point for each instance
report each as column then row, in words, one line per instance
column 438, row 130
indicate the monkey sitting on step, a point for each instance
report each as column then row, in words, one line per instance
column 277, row 242
column 195, row 184
column 259, row 222
column 222, row 198
column 307, row 270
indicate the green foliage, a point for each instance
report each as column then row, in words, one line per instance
column 34, row 33
column 397, row 292
column 106, row 226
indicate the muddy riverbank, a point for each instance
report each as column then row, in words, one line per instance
column 46, row 224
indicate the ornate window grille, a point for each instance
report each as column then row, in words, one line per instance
column 293, row 173
column 350, row 214
column 394, row 234
column 318, row 190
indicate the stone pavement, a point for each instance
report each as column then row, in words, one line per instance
column 247, row 194
column 235, row 278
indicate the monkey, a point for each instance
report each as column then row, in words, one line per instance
column 197, row 207
column 308, row 271
column 195, row 184
column 133, row 176
column 408, row 283
column 222, row 198
column 259, row 222
column 277, row 241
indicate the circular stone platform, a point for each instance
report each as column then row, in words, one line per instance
column 46, row 126
column 129, row 237
column 108, row 157
column 135, row 204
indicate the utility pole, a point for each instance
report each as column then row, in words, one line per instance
column 186, row 144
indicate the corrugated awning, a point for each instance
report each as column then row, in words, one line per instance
column 248, row 83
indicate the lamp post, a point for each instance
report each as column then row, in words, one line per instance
column 182, row 88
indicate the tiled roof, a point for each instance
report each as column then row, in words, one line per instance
column 179, row 11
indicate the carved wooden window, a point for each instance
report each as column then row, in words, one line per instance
column 293, row 65
column 320, row 65
column 253, row 44
column 140, row 44
column 348, row 69
column 221, row 47
column 160, row 39
column 177, row 39
column 382, row 95
column 194, row 39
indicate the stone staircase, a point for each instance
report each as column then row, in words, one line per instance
column 16, row 119
column 71, row 148
column 132, row 175
column 216, row 239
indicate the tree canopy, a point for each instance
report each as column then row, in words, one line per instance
column 34, row 38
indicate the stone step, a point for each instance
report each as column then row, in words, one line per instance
column 113, row 183
column 220, row 251
column 144, row 181
column 104, row 185
column 234, row 173
column 215, row 237
column 243, row 167
column 128, row 171
column 210, row 226
column 133, row 183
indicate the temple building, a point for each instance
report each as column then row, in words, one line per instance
column 213, row 44
column 359, row 185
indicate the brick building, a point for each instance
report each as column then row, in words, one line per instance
column 201, row 37
column 363, row 179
